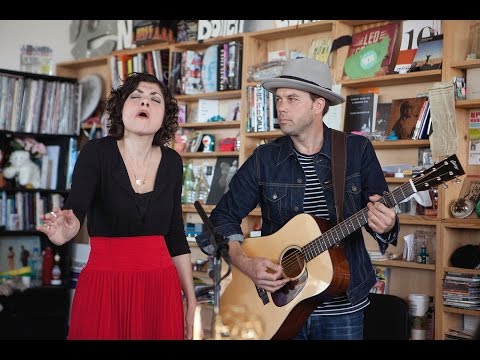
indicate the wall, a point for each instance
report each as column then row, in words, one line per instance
column 15, row 33
column 55, row 34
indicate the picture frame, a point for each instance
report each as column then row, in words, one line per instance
column 471, row 189
column 194, row 141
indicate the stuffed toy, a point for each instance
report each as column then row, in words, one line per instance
column 22, row 167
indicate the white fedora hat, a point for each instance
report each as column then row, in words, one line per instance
column 308, row 75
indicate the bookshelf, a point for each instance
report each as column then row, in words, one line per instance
column 451, row 233
column 406, row 277
column 42, row 110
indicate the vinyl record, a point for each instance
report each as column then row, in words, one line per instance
column 91, row 94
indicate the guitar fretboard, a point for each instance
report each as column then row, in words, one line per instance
column 340, row 231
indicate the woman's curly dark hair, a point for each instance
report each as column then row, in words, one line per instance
column 116, row 100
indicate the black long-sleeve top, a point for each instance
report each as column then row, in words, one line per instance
column 101, row 190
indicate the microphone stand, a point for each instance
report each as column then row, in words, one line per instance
column 220, row 250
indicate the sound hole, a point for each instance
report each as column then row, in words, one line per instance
column 293, row 263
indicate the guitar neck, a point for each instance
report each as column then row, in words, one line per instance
column 340, row 231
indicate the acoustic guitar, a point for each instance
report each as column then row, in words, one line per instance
column 309, row 252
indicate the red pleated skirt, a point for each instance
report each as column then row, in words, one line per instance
column 128, row 290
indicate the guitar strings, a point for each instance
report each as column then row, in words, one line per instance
column 293, row 259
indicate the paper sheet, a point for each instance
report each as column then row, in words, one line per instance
column 443, row 140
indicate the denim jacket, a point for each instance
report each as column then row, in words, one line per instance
column 273, row 178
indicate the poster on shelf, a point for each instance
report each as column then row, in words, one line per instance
column 474, row 137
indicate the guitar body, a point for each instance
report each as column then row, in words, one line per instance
column 284, row 312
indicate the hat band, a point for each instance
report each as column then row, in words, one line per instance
column 303, row 80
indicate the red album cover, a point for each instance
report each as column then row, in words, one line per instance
column 372, row 52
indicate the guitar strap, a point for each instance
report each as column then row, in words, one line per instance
column 339, row 163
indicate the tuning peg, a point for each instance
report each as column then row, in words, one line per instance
column 445, row 186
column 457, row 180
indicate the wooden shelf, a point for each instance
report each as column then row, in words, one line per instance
column 190, row 208
column 395, row 79
column 264, row 134
column 213, row 154
column 256, row 212
column 154, row 45
column 418, row 220
column 359, row 22
column 400, row 144
column 466, row 64
column 198, row 45
column 467, row 104
column 293, row 31
column 461, row 270
column 404, row 264
column 229, row 94
column 470, row 223
column 42, row 191
column 396, row 180
column 81, row 63
column 211, row 125
column 454, row 310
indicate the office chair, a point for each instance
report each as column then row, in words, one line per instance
column 386, row 318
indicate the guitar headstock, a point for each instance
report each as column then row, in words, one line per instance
column 439, row 173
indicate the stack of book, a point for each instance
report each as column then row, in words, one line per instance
column 461, row 290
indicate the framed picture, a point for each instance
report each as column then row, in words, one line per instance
column 225, row 168
column 471, row 189
column 15, row 251
column 194, row 141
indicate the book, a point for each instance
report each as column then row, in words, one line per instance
column 460, row 88
column 182, row 113
column 360, row 112
column 429, row 55
column 187, row 30
column 473, row 84
column 148, row 31
column 404, row 116
column 225, row 168
column 383, row 114
column 320, row 49
column 413, row 31
column 208, row 110
column 372, row 52
column 404, row 61
column 382, row 275
column 474, row 137
column 209, row 69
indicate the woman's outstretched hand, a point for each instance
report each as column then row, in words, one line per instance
column 59, row 225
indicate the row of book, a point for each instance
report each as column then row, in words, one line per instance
column 218, row 68
column 154, row 62
column 409, row 118
column 39, row 106
column 262, row 114
column 20, row 211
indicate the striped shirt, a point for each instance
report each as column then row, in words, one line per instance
column 314, row 203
